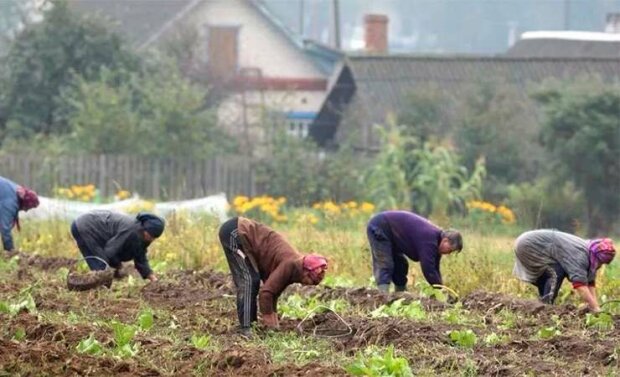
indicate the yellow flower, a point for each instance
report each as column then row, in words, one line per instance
column 240, row 200
column 367, row 207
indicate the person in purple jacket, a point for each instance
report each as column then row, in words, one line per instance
column 395, row 234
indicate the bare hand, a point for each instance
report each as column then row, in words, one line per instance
column 270, row 320
column 152, row 277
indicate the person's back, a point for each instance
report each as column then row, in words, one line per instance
column 102, row 225
column 267, row 248
column 413, row 234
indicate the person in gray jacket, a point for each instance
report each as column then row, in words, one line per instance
column 545, row 257
column 117, row 238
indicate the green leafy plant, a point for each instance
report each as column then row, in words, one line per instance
column 123, row 335
column 493, row 339
column 463, row 338
column 548, row 332
column 201, row 342
column 427, row 290
column 398, row 308
column 376, row 365
column 283, row 346
column 20, row 334
column 145, row 319
column 90, row 346
column 23, row 302
column 297, row 307
column 600, row 321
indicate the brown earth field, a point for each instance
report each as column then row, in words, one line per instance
column 46, row 339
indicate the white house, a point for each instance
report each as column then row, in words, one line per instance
column 249, row 56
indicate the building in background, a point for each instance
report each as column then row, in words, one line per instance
column 254, row 64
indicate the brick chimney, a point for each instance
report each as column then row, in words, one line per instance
column 376, row 33
column 613, row 23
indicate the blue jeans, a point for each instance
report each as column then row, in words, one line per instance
column 388, row 265
column 549, row 283
column 93, row 263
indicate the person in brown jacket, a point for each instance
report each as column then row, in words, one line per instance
column 256, row 253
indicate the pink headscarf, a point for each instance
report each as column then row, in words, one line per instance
column 601, row 251
column 316, row 266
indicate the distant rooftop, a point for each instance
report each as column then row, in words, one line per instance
column 566, row 44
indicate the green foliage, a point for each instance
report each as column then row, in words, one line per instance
column 201, row 342
column 298, row 307
column 379, row 365
column 600, row 321
column 337, row 281
column 494, row 339
column 581, row 131
column 548, row 332
column 463, row 338
column 123, row 334
column 398, row 308
column 425, row 115
column 492, row 125
column 145, row 319
column 284, row 346
column 425, row 177
column 24, row 302
column 90, row 346
column 43, row 60
column 9, row 264
column 427, row 290
column 20, row 334
column 547, row 203
column 162, row 114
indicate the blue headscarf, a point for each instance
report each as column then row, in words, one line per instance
column 153, row 224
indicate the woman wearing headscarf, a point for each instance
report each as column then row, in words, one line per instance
column 13, row 198
column 256, row 253
column 116, row 238
column 545, row 257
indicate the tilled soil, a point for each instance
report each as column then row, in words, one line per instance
column 203, row 302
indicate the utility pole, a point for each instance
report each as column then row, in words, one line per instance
column 566, row 14
column 301, row 18
column 336, row 23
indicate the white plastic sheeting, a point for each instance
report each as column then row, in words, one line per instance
column 68, row 209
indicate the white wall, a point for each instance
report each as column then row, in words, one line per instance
column 260, row 43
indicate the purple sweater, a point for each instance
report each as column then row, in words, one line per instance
column 418, row 239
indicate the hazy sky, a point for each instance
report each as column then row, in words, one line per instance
column 460, row 26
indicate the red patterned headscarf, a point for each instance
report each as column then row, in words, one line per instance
column 601, row 251
column 26, row 199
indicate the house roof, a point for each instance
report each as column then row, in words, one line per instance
column 566, row 44
column 383, row 82
column 143, row 21
column 138, row 20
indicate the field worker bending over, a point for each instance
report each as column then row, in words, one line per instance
column 115, row 238
column 545, row 257
column 13, row 198
column 395, row 235
column 256, row 252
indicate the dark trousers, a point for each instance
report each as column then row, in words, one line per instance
column 388, row 265
column 549, row 283
column 93, row 263
column 246, row 278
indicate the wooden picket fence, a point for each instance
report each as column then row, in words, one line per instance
column 153, row 178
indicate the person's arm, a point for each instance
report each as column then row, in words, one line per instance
column 586, row 294
column 7, row 218
column 269, row 292
column 429, row 262
column 141, row 263
column 116, row 245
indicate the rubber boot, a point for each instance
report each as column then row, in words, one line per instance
column 400, row 288
column 383, row 287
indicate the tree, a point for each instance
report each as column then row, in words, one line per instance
column 156, row 113
column 44, row 59
column 582, row 131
